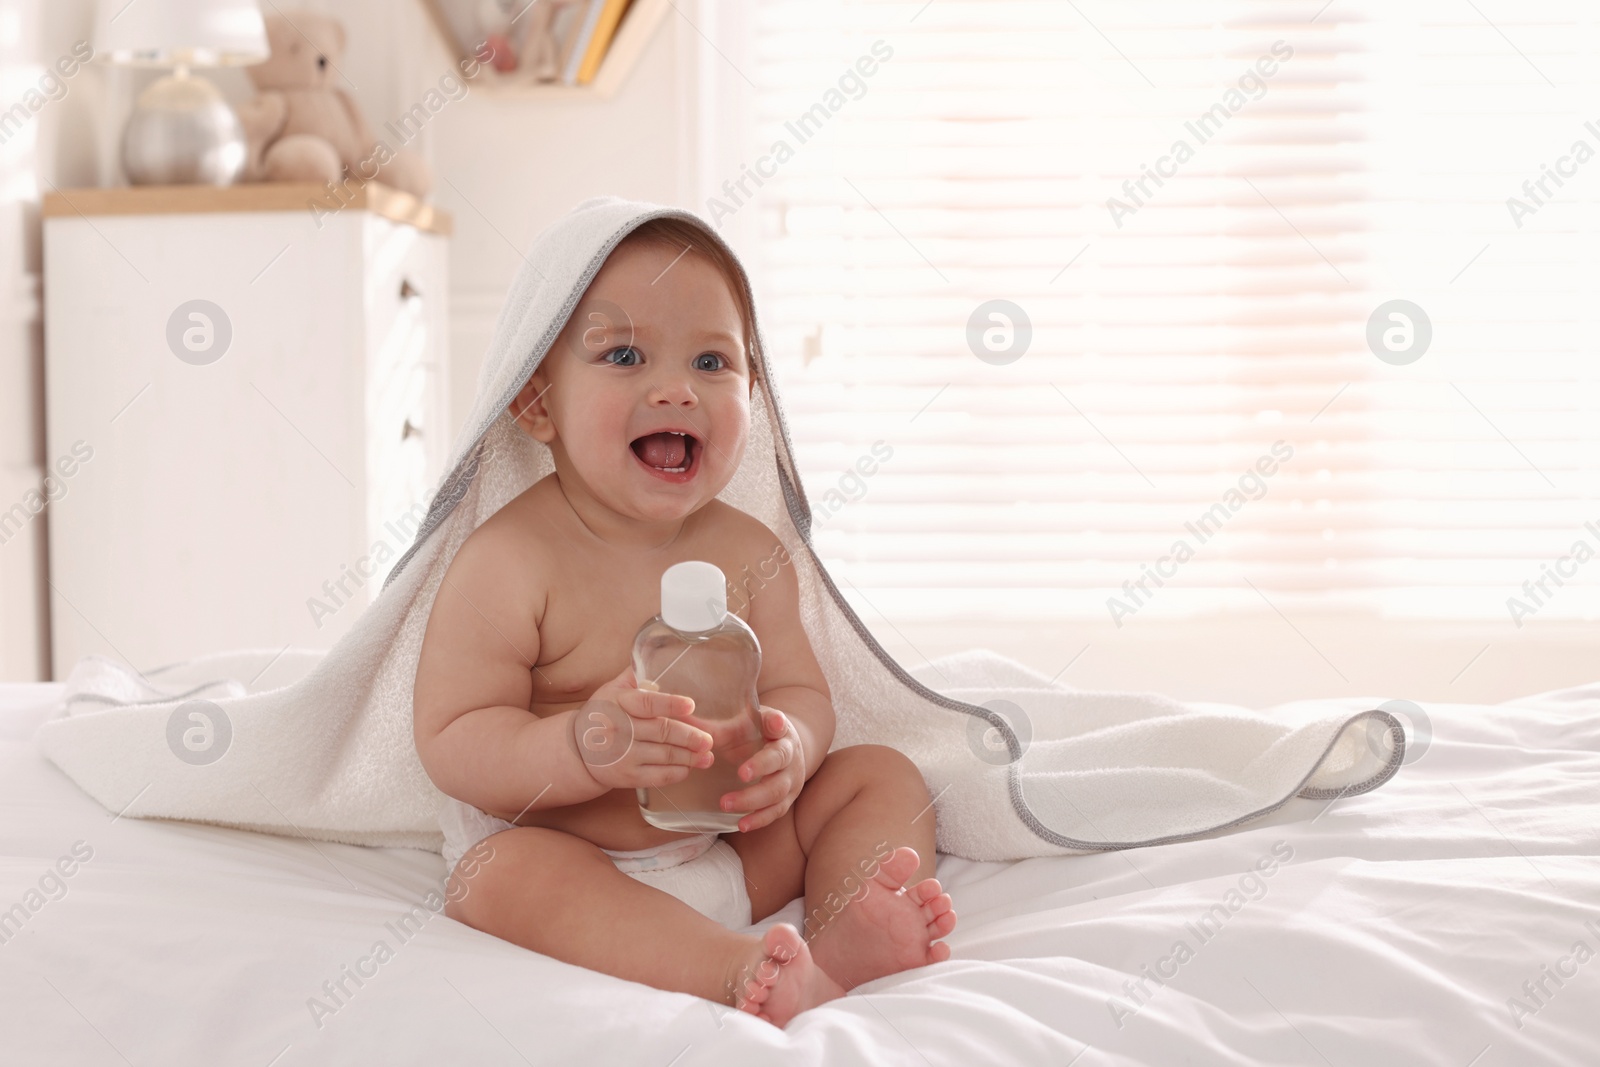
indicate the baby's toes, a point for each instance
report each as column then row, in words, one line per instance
column 942, row 924
column 901, row 864
column 938, row 952
column 925, row 890
column 756, row 988
column 753, row 996
column 939, row 905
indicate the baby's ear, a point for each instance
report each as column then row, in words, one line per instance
column 528, row 409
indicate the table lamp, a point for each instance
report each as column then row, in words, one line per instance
column 181, row 130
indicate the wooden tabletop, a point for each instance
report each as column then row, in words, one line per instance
column 251, row 196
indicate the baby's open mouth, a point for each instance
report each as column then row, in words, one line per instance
column 671, row 452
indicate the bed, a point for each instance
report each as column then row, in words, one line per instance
column 1396, row 927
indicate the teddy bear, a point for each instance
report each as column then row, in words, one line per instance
column 302, row 127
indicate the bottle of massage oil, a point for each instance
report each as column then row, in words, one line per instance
column 698, row 649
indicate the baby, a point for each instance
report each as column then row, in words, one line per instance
column 644, row 402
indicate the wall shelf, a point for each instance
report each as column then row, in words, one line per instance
column 637, row 27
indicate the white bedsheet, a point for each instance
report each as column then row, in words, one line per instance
column 1404, row 921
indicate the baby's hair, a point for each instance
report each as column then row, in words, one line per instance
column 676, row 234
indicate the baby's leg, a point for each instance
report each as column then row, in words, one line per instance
column 863, row 829
column 560, row 895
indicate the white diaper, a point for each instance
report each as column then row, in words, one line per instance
column 702, row 870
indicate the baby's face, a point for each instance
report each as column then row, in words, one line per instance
column 644, row 399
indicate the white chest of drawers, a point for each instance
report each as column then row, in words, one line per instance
column 245, row 411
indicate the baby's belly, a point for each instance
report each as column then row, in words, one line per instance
column 610, row 821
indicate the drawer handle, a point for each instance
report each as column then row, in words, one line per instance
column 407, row 290
column 409, row 431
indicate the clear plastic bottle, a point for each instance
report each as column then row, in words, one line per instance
column 696, row 648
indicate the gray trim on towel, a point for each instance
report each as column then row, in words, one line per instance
column 454, row 488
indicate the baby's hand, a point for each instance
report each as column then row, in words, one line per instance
column 781, row 768
column 633, row 738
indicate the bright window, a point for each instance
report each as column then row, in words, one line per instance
column 1199, row 207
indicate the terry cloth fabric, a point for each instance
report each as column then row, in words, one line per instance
column 1039, row 770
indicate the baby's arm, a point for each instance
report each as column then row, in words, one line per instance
column 473, row 729
column 791, row 680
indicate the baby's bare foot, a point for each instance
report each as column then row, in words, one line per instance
column 892, row 928
column 780, row 979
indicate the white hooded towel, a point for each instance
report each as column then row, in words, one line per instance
column 1018, row 767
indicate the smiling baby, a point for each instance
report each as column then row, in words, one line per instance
column 644, row 402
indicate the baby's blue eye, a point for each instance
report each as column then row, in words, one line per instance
column 717, row 362
column 627, row 356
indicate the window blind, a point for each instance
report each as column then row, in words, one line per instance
column 1198, row 209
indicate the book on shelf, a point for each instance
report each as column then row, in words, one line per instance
column 590, row 36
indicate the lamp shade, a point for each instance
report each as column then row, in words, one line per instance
column 168, row 33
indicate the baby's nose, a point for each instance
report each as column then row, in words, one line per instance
column 673, row 389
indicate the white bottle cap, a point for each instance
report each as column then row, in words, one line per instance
column 694, row 596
